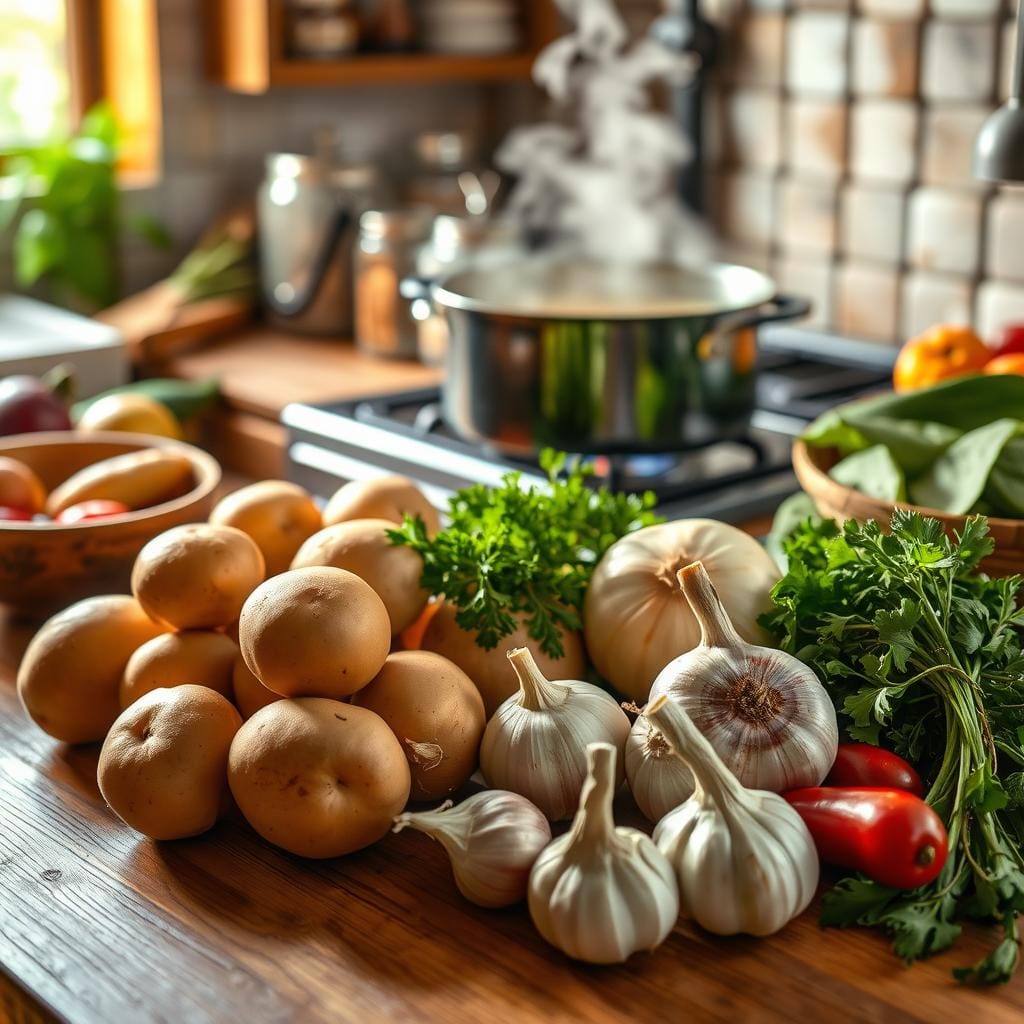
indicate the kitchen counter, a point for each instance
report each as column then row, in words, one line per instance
column 100, row 925
column 262, row 369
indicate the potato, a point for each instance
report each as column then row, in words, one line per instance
column 490, row 670
column 136, row 479
column 250, row 693
column 318, row 777
column 20, row 487
column 362, row 546
column 163, row 766
column 278, row 515
column 314, row 632
column 197, row 576
column 435, row 712
column 198, row 656
column 131, row 412
column 68, row 679
column 386, row 497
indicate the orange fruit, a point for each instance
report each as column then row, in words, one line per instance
column 940, row 353
column 1012, row 362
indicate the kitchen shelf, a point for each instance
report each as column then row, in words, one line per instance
column 247, row 54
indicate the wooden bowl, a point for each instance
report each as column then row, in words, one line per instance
column 838, row 502
column 45, row 566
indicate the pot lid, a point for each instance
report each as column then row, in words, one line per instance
column 585, row 290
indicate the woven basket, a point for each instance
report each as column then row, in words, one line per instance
column 835, row 501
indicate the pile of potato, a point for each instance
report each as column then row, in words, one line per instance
column 257, row 661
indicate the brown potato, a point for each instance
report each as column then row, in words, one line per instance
column 250, row 693
column 490, row 670
column 318, row 777
column 68, row 679
column 198, row 656
column 314, row 632
column 362, row 546
column 163, row 766
column 386, row 497
column 197, row 576
column 278, row 516
column 20, row 487
column 436, row 713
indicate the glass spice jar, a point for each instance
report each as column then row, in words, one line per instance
column 322, row 29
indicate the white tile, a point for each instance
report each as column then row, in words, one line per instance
column 867, row 301
column 1004, row 257
column 807, row 215
column 747, row 206
column 816, row 137
column 944, row 230
column 893, row 8
column 998, row 305
column 816, row 61
column 753, row 128
column 950, row 131
column 753, row 53
column 885, row 57
column 810, row 278
column 884, row 140
column 958, row 61
column 966, row 8
column 871, row 222
column 930, row 299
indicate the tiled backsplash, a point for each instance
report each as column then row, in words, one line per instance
column 840, row 155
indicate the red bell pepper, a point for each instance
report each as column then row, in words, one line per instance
column 861, row 764
column 1011, row 340
column 890, row 835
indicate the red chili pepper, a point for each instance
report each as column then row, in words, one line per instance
column 96, row 508
column 890, row 835
column 8, row 514
column 1011, row 340
column 861, row 764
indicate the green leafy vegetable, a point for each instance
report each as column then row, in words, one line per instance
column 523, row 549
column 923, row 653
column 872, row 471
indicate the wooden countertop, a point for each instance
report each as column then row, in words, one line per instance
column 99, row 925
column 262, row 369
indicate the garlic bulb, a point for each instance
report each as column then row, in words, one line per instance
column 633, row 595
column 658, row 780
column 492, row 839
column 764, row 712
column 744, row 859
column 601, row 893
column 536, row 743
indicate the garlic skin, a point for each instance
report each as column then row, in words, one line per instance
column 658, row 780
column 492, row 840
column 765, row 713
column 601, row 893
column 744, row 859
column 536, row 742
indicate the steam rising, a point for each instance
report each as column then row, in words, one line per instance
column 604, row 187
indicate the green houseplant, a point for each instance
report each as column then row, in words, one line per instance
column 63, row 207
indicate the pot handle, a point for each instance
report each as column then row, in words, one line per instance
column 413, row 287
column 781, row 307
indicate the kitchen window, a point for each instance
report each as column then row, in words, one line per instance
column 58, row 57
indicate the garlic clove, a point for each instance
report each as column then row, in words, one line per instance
column 492, row 840
column 744, row 859
column 658, row 780
column 535, row 743
column 764, row 712
column 601, row 893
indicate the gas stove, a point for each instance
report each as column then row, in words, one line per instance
column 801, row 375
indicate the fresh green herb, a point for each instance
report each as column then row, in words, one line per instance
column 518, row 549
column 923, row 653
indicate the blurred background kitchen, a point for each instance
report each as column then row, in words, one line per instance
column 332, row 158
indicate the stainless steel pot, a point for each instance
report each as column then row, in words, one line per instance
column 603, row 358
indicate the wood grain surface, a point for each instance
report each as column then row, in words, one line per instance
column 101, row 926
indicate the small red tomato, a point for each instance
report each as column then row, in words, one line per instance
column 1011, row 340
column 99, row 508
column 861, row 764
column 14, row 515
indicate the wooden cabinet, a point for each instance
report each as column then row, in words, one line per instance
column 248, row 53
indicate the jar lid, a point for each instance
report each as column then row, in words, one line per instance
column 406, row 225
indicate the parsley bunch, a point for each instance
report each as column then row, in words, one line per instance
column 923, row 654
column 522, row 549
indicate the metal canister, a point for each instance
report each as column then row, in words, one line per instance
column 386, row 251
column 308, row 214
